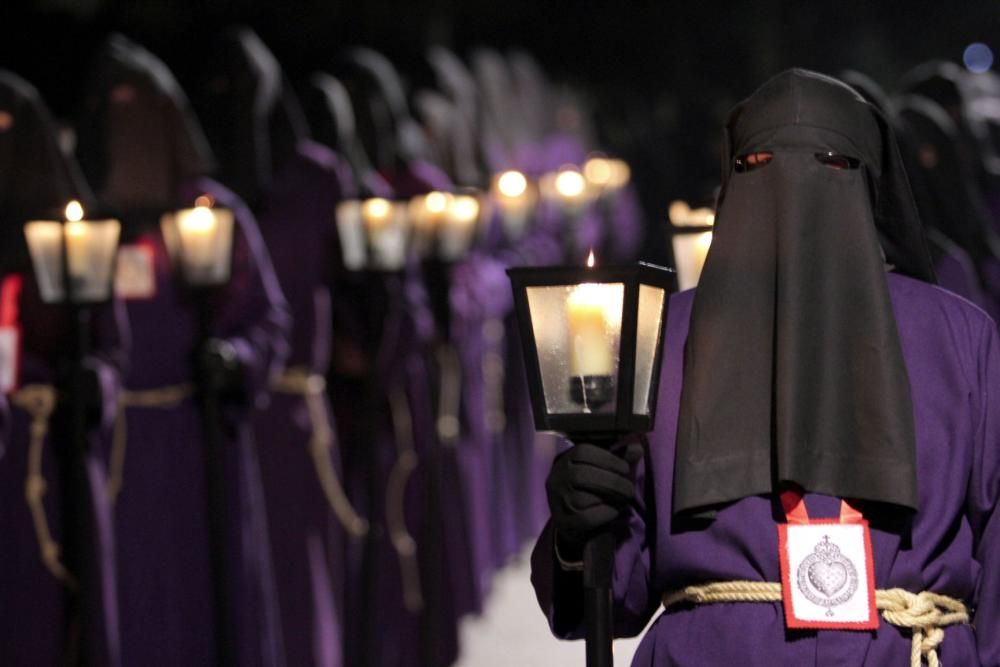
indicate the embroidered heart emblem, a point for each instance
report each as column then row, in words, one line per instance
column 828, row 577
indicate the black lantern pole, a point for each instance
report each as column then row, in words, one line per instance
column 73, row 261
column 592, row 339
column 201, row 241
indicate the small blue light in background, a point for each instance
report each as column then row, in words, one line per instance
column 978, row 57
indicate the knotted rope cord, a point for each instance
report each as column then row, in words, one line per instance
column 39, row 401
column 169, row 396
column 311, row 387
column 395, row 500
column 449, row 395
column 925, row 614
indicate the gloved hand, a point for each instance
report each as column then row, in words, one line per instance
column 219, row 369
column 589, row 488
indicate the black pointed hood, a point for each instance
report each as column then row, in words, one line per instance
column 138, row 138
column 793, row 368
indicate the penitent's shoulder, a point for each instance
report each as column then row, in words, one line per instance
column 922, row 305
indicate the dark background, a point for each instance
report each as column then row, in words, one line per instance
column 659, row 76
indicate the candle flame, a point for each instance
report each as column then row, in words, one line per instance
column 590, row 259
column 465, row 208
column 570, row 183
column 436, row 202
column 204, row 201
column 74, row 211
column 512, row 184
column 598, row 171
column 201, row 220
column 376, row 208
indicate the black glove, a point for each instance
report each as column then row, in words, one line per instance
column 219, row 369
column 588, row 488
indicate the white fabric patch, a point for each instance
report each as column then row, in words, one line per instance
column 135, row 276
column 9, row 358
column 829, row 577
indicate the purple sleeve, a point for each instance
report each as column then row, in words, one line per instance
column 560, row 592
column 254, row 316
column 984, row 496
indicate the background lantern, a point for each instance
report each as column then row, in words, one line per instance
column 459, row 227
column 374, row 233
column 691, row 236
column 567, row 188
column 606, row 176
column 426, row 214
column 73, row 259
column 515, row 198
column 200, row 241
column 591, row 339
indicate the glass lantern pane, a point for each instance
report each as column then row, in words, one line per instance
column 201, row 241
column 646, row 345
column 690, row 251
column 351, row 232
column 91, row 247
column 387, row 235
column 45, row 246
column 577, row 330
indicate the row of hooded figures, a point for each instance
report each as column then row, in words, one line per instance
column 323, row 457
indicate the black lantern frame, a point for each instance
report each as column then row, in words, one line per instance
column 623, row 418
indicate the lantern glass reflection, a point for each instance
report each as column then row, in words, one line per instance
column 89, row 247
column 577, row 331
column 200, row 242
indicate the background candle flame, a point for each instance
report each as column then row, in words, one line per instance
column 590, row 259
column 74, row 211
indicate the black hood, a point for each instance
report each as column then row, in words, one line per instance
column 950, row 196
column 327, row 106
column 37, row 178
column 793, row 369
column 390, row 135
column 250, row 112
column 138, row 138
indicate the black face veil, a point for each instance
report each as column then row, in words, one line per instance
column 793, row 369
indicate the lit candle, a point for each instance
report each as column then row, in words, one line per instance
column 593, row 313
column 459, row 227
column 385, row 224
column 515, row 201
column 197, row 228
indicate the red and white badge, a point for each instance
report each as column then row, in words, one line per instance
column 135, row 272
column 827, row 573
column 10, row 334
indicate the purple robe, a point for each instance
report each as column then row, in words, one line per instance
column 296, row 218
column 34, row 631
column 161, row 512
column 952, row 353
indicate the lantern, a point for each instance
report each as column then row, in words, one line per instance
column 374, row 233
column 515, row 198
column 591, row 338
column 605, row 176
column 691, row 232
column 567, row 188
column 74, row 258
column 200, row 242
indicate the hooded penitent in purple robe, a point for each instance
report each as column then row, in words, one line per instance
column 952, row 356
column 57, row 585
column 756, row 363
column 146, row 155
column 393, row 455
column 295, row 185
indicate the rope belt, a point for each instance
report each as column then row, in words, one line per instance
column 395, row 500
column 926, row 614
column 312, row 387
column 39, row 401
column 166, row 397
